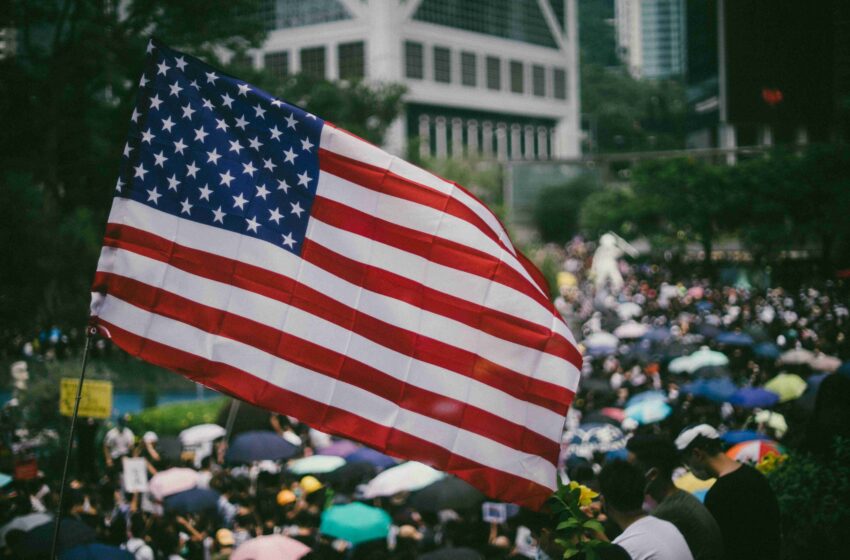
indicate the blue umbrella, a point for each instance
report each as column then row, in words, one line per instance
column 704, row 305
column 844, row 369
column 37, row 542
column 658, row 334
column 737, row 436
column 259, row 446
column 767, row 350
column 374, row 458
column 753, row 397
column 355, row 523
column 95, row 551
column 649, row 411
column 719, row 389
column 734, row 339
column 708, row 331
column 192, row 501
column 646, row 396
column 592, row 438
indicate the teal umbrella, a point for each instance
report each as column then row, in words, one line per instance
column 355, row 523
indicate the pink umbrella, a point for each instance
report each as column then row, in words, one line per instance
column 617, row 414
column 270, row 547
column 172, row 481
column 340, row 448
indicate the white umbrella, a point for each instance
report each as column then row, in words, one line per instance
column 822, row 362
column 23, row 523
column 172, row 481
column 601, row 339
column 406, row 477
column 202, row 433
column 701, row 358
column 316, row 464
column 797, row 356
column 628, row 310
column 631, row 329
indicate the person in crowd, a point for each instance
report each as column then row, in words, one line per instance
column 118, row 443
column 644, row 537
column 656, row 458
column 741, row 500
column 136, row 544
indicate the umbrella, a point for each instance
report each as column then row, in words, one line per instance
column 596, row 384
column 807, row 401
column 4, row 479
column 169, row 448
column 712, row 372
column 772, row 420
column 719, row 390
column 649, row 411
column 753, row 397
column 192, row 501
column 355, row 523
column 347, row 477
column 340, row 448
column 617, row 414
column 37, row 542
column 822, row 362
column 767, row 350
column 628, row 310
column 646, row 396
column 452, row 554
column 734, row 339
column 271, row 547
column 708, row 330
column 631, row 329
column 658, row 334
column 754, row 451
column 601, row 341
column 737, row 436
column 596, row 417
column 369, row 455
column 315, row 464
column 23, row 523
column 172, row 481
column 408, row 476
column 96, row 551
column 249, row 447
column 200, row 434
column 797, row 356
column 787, row 385
column 447, row 493
column 701, row 358
column 690, row 483
column 595, row 438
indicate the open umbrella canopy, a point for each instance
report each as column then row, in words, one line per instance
column 172, row 481
column 315, row 464
column 447, row 493
column 340, row 448
column 631, row 329
column 715, row 372
column 754, row 451
column 249, row 447
column 369, row 455
column 737, row 436
column 767, row 350
column 822, row 362
column 595, row 438
column 658, row 334
column 95, row 551
column 355, row 522
column 601, row 340
column 797, row 356
column 646, row 396
column 23, row 523
column 807, row 401
column 37, row 542
column 753, row 397
column 192, row 501
column 729, row 338
column 649, row 411
column 701, row 358
column 271, row 547
column 772, row 420
column 617, row 414
column 406, row 477
column 202, row 433
column 596, row 417
column 718, row 390
column 4, row 479
column 347, row 477
column 787, row 385
column 628, row 310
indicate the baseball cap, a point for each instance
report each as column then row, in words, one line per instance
column 225, row 537
column 688, row 435
column 285, row 497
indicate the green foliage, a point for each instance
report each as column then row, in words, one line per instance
column 814, row 502
column 576, row 531
column 608, row 209
column 483, row 178
column 556, row 213
column 172, row 418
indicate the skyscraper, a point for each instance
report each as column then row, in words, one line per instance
column 650, row 37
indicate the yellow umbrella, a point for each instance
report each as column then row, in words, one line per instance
column 689, row 483
column 787, row 385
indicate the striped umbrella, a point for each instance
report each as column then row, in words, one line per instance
column 754, row 451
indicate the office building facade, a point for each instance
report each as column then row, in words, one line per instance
column 651, row 37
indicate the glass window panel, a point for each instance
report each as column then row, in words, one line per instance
column 468, row 69
column 538, row 80
column 351, row 59
column 442, row 65
column 313, row 61
column 517, row 85
column 413, row 60
column 277, row 63
column 494, row 73
column 559, row 78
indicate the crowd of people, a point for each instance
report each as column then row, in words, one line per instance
column 649, row 431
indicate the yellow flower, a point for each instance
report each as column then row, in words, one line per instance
column 769, row 462
column 586, row 496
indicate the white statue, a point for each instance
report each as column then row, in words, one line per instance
column 605, row 268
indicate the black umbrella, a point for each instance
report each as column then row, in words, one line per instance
column 447, row 493
column 597, row 417
column 712, row 372
column 249, row 447
column 346, row 478
column 452, row 554
column 169, row 448
column 596, row 384
column 36, row 543
column 192, row 501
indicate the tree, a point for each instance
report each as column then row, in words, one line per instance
column 556, row 213
column 608, row 209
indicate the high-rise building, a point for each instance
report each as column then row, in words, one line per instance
column 651, row 37
column 496, row 78
column 7, row 42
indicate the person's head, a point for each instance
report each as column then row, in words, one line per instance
column 656, row 457
column 698, row 448
column 621, row 485
column 137, row 526
column 224, row 538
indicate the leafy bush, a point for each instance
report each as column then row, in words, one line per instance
column 171, row 419
column 814, row 501
column 556, row 213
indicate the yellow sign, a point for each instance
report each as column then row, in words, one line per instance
column 95, row 402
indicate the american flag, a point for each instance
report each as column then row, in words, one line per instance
column 266, row 253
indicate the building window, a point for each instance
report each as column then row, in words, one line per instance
column 517, row 85
column 559, row 78
column 442, row 65
column 313, row 62
column 351, row 61
column 277, row 63
column 413, row 60
column 494, row 73
column 285, row 14
column 538, row 80
column 468, row 69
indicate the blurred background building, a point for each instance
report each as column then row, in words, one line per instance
column 651, row 37
column 496, row 78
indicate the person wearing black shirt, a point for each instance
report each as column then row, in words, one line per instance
column 741, row 500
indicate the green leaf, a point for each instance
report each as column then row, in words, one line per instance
column 594, row 525
column 568, row 524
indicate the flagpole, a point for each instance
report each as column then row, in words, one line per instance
column 91, row 331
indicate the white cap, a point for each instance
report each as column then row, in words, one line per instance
column 688, row 435
column 150, row 437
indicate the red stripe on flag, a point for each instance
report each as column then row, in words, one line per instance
column 243, row 385
column 287, row 290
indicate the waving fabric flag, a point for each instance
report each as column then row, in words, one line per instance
column 264, row 252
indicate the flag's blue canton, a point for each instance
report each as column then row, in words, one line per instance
column 210, row 148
